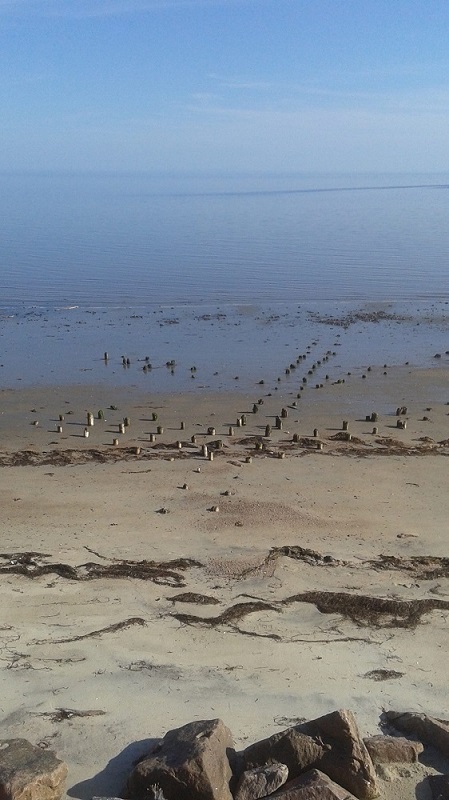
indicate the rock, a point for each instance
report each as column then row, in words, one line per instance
column 261, row 781
column 346, row 760
column 189, row 763
column 313, row 785
column 430, row 729
column 331, row 743
column 439, row 786
column 30, row 773
column 393, row 749
column 291, row 747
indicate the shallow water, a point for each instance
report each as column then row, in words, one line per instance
column 233, row 347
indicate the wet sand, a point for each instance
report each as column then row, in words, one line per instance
column 144, row 585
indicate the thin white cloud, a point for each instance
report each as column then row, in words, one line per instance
column 285, row 96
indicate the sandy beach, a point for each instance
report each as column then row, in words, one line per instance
column 144, row 585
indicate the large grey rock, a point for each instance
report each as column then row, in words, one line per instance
column 30, row 773
column 393, row 749
column 312, row 785
column 430, row 729
column 190, row 763
column 261, row 781
column 331, row 744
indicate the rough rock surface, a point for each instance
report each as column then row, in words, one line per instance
column 393, row 749
column 331, row 743
column 261, row 781
column 291, row 747
column 430, row 729
column 29, row 773
column 312, row 785
column 190, row 763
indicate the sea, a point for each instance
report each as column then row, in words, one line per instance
column 218, row 281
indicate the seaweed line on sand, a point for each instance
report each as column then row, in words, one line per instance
column 362, row 610
column 165, row 573
column 117, row 626
column 339, row 445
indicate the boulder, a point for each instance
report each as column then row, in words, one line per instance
column 312, row 785
column 331, row 744
column 296, row 750
column 29, row 773
column 261, row 781
column 393, row 749
column 430, row 729
column 189, row 763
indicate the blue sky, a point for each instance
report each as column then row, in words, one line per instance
column 224, row 85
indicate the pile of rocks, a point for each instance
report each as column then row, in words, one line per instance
column 323, row 759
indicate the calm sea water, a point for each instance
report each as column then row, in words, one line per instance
column 225, row 273
column 103, row 240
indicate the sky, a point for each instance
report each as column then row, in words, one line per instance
column 224, row 85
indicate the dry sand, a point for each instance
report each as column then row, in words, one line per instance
column 261, row 618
